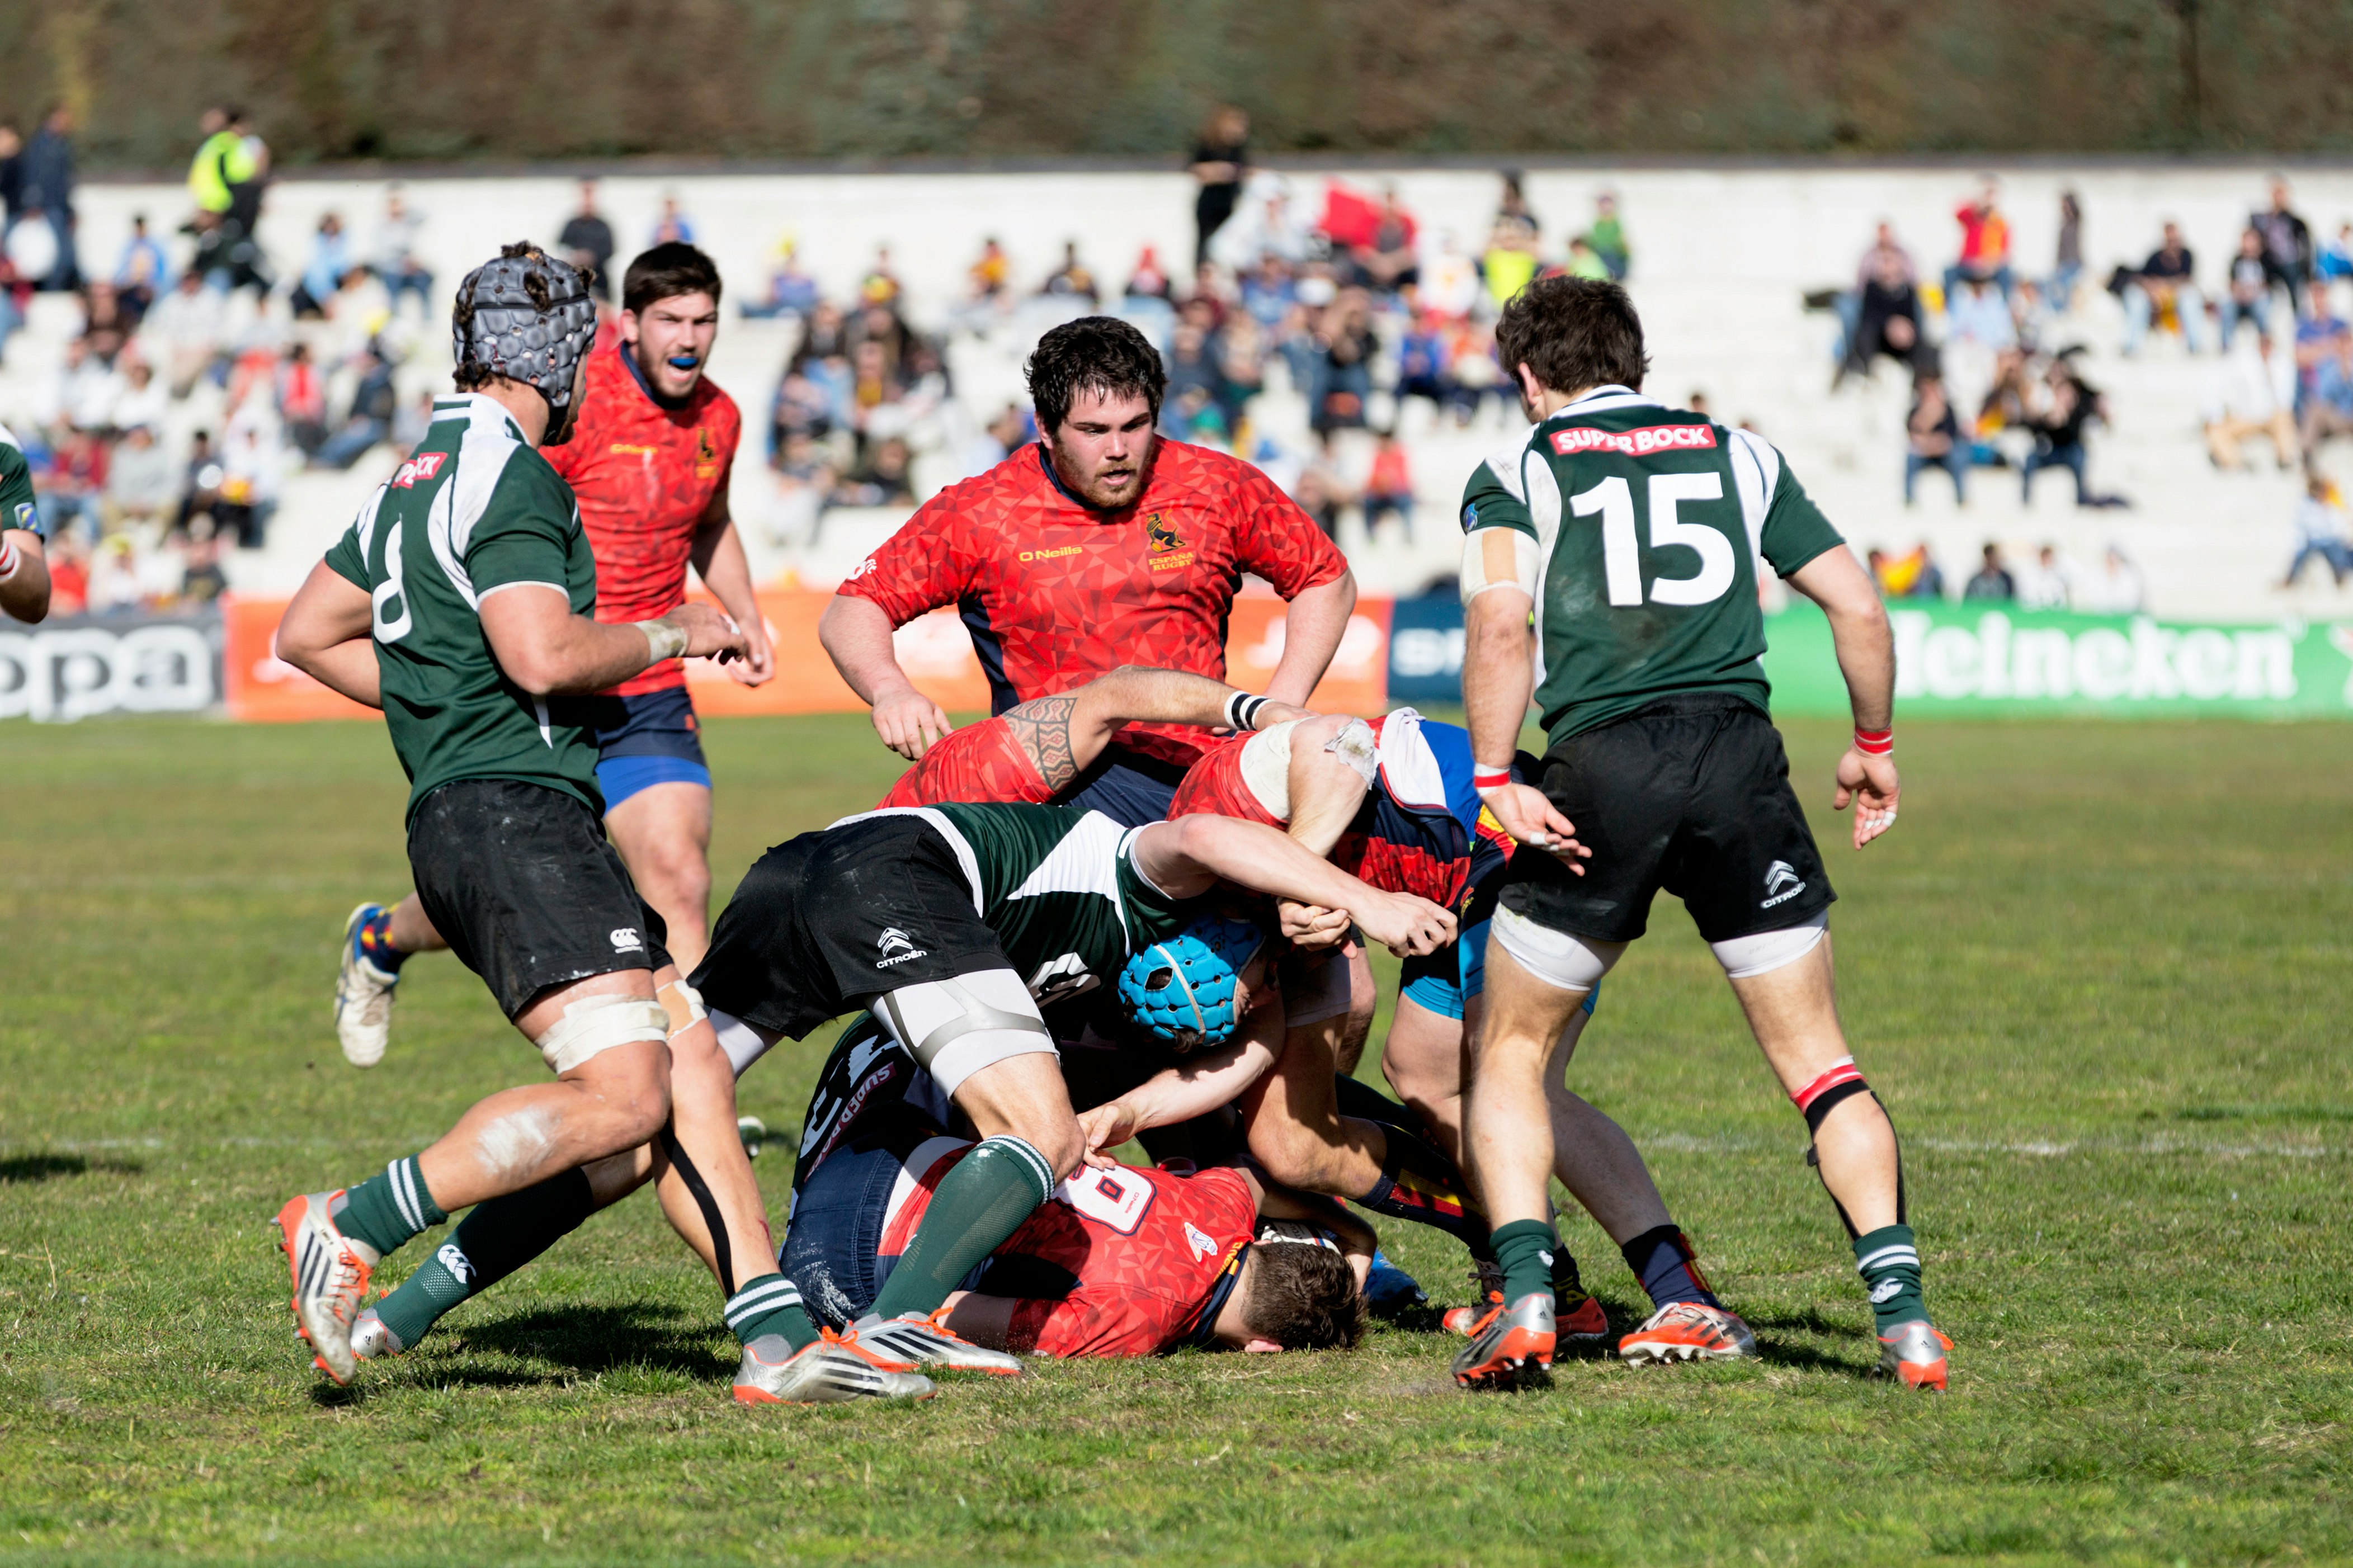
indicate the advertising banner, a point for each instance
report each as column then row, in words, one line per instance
column 75, row 667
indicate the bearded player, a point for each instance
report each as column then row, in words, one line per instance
column 649, row 464
column 1104, row 544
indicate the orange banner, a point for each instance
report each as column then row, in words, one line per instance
column 935, row 650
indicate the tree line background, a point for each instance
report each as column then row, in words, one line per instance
column 446, row 80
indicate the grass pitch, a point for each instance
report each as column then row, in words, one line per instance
column 2098, row 972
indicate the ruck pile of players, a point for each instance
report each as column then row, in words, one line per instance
column 1132, row 905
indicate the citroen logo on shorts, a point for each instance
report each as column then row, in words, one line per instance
column 897, row 947
column 1782, row 883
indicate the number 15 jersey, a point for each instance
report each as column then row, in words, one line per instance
column 1649, row 522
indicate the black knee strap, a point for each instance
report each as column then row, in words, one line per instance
column 1822, row 1107
column 717, row 1223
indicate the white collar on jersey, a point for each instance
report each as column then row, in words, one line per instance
column 1603, row 399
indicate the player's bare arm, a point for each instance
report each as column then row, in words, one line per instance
column 720, row 562
column 1498, row 678
column 855, row 634
column 1064, row 734
column 1186, row 856
column 1195, row 1086
column 547, row 650
column 1866, row 656
column 1312, row 627
column 326, row 634
column 23, row 576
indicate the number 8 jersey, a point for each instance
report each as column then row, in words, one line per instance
column 1648, row 523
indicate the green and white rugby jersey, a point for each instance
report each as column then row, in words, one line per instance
column 1059, row 886
column 17, row 507
column 1649, row 522
column 474, row 511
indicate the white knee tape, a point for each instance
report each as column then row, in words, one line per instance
column 1555, row 957
column 595, row 1025
column 1770, row 950
column 1266, row 768
column 956, row 1027
column 744, row 1042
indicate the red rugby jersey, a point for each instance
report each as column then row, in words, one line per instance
column 1056, row 594
column 1143, row 1252
column 645, row 476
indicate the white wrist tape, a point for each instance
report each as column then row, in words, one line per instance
column 595, row 1025
column 666, row 640
column 1500, row 558
column 1242, row 709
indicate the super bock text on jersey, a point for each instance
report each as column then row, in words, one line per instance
column 1648, row 524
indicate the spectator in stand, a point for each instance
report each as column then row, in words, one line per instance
column 200, row 485
column 1340, row 376
column 203, row 581
column 1269, row 292
column 367, row 423
column 1239, row 346
column 806, row 476
column 672, row 227
column 2247, row 288
column 1192, row 363
column 2045, row 585
column 2072, row 404
column 2114, row 589
column 1509, row 262
column 2165, row 285
column 1148, row 282
column 1933, row 436
column 1975, row 312
column 1318, row 490
column 2287, row 243
column 1263, row 225
column 1421, row 363
column 68, row 564
column 141, row 482
column 2315, row 339
column 105, row 323
column 79, row 392
column 1993, row 583
column 2319, row 531
column 1584, row 261
column 1387, row 263
column 410, row 424
column 885, row 478
column 1607, row 236
column 302, row 400
column 2251, row 393
column 587, row 241
column 792, row 292
column 331, row 258
column 186, row 328
column 1985, row 241
column 2068, row 268
column 1887, row 312
column 143, row 400
column 251, row 453
column 2334, row 261
column 2328, row 411
column 1472, row 374
column 1910, row 575
column 1388, row 488
column 880, row 285
column 72, row 485
column 1074, row 277
column 47, row 172
column 1512, row 205
column 12, row 174
column 143, row 272
column 1221, row 160
column 394, row 260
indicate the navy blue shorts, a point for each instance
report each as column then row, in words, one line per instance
column 646, row 740
column 1127, row 787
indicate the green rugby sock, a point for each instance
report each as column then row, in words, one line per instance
column 770, row 1305
column 495, row 1238
column 1889, row 1261
column 980, row 1203
column 1526, row 1248
column 385, row 1211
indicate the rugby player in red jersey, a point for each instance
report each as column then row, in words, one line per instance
column 648, row 463
column 1103, row 545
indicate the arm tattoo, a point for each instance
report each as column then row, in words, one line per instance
column 1042, row 726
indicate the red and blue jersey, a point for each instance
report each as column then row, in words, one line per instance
column 1056, row 593
column 1125, row 1262
column 647, row 475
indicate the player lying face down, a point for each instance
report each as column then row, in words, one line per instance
column 951, row 925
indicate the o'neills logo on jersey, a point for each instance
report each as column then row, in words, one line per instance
column 423, row 466
column 1640, row 443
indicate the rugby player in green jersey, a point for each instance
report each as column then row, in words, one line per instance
column 1610, row 571
column 23, row 569
column 461, row 602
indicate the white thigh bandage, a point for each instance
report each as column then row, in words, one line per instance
column 1315, row 987
column 1770, row 950
column 595, row 1025
column 1266, row 768
column 1500, row 558
column 956, row 1027
column 744, row 1042
column 1555, row 957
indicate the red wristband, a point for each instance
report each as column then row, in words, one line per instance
column 1489, row 778
column 1874, row 743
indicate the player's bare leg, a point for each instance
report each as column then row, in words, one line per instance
column 412, row 928
column 1793, row 1012
column 663, row 832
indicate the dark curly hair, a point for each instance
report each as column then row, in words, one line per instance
column 1573, row 333
column 1303, row 1297
column 1094, row 353
column 667, row 272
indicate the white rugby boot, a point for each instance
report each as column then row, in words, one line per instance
column 925, row 1340
column 833, row 1369
column 363, row 997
